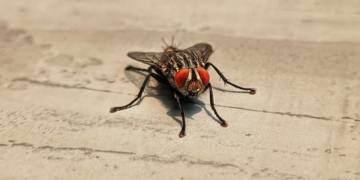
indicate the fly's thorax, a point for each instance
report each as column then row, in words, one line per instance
column 183, row 59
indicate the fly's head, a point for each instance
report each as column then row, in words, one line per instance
column 191, row 81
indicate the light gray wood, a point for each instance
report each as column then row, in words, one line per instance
column 62, row 67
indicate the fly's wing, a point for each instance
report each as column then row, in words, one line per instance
column 202, row 50
column 154, row 59
column 153, row 87
column 150, row 58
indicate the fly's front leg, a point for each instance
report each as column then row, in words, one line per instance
column 183, row 127
column 223, row 122
column 252, row 90
column 114, row 109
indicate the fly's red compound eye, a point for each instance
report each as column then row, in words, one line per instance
column 204, row 75
column 181, row 77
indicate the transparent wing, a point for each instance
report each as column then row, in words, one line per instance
column 150, row 58
column 202, row 50
column 153, row 86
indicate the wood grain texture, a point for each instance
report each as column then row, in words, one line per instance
column 62, row 68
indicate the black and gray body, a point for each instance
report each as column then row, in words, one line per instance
column 169, row 65
column 169, row 62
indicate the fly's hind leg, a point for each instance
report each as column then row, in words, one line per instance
column 252, row 90
column 183, row 127
column 114, row 109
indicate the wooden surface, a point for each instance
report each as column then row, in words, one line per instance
column 62, row 68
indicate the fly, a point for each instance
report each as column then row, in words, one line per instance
column 183, row 71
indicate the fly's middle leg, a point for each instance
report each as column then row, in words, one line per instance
column 252, row 90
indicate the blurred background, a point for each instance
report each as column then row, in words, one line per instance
column 62, row 67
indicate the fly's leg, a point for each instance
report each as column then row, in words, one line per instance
column 130, row 68
column 223, row 122
column 114, row 109
column 156, row 76
column 183, row 127
column 252, row 90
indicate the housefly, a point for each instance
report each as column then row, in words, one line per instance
column 182, row 71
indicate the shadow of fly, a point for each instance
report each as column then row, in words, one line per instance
column 182, row 71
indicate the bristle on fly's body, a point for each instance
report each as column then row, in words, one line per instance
column 172, row 47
